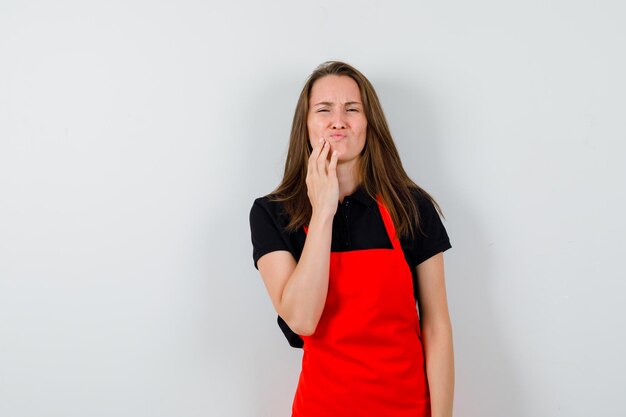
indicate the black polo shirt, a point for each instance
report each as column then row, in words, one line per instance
column 357, row 225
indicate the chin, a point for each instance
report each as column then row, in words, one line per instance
column 347, row 158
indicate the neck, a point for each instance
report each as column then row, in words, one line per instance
column 347, row 176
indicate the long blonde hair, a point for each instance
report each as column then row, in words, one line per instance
column 380, row 168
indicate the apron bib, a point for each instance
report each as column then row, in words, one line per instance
column 365, row 358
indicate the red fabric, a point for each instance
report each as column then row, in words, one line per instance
column 365, row 358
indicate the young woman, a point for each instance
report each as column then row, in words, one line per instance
column 346, row 245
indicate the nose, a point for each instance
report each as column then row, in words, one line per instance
column 338, row 121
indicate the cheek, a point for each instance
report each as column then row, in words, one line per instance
column 314, row 131
column 363, row 130
column 312, row 124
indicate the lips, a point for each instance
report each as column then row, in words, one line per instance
column 337, row 136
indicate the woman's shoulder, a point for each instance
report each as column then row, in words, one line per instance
column 421, row 198
column 269, row 208
column 428, row 209
column 263, row 201
column 431, row 236
column 267, row 201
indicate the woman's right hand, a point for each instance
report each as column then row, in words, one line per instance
column 321, row 180
column 298, row 289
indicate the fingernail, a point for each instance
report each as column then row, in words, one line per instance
column 321, row 140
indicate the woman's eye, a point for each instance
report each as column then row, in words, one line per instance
column 321, row 110
column 353, row 109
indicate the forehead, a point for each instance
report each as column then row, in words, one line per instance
column 335, row 88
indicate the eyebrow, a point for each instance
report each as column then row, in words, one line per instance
column 328, row 103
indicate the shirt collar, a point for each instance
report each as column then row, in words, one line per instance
column 361, row 196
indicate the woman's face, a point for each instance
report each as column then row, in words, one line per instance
column 336, row 114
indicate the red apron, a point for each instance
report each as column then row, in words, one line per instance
column 365, row 358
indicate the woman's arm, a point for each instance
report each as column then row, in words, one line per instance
column 298, row 291
column 436, row 334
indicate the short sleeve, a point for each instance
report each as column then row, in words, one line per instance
column 265, row 230
column 433, row 238
column 268, row 235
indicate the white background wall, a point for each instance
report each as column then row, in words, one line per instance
column 134, row 136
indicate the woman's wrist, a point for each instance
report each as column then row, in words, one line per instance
column 322, row 217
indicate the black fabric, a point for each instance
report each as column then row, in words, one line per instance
column 357, row 225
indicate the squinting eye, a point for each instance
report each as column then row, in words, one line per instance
column 353, row 109
column 321, row 110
